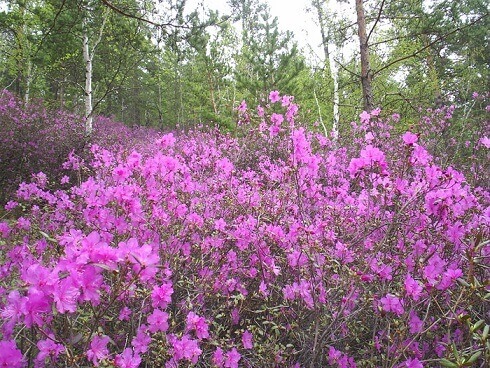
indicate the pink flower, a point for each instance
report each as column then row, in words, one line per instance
column 410, row 138
column 124, row 314
column 127, row 359
column 141, row 340
column 286, row 100
column 161, row 296
column 485, row 141
column 247, row 340
column 98, row 349
column 194, row 322
column 412, row 287
column 277, row 119
column 10, row 356
column 415, row 323
column 65, row 296
column 218, row 357
column 13, row 308
column 243, row 107
column 232, row 358
column 48, row 349
column 391, row 303
column 158, row 321
column 167, row 140
column 448, row 278
column 413, row 363
column 420, row 155
column 91, row 280
column 369, row 137
column 365, row 116
column 121, row 173
column 260, row 111
column 185, row 348
column 34, row 306
column 274, row 96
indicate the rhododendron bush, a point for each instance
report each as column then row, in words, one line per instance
column 274, row 248
column 33, row 139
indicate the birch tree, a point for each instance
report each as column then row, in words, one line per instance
column 89, row 49
column 329, row 51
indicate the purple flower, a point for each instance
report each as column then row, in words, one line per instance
column 161, row 296
column 127, row 359
column 98, row 349
column 10, row 356
column 198, row 324
column 49, row 349
column 141, row 340
column 65, row 296
column 412, row 287
column 391, row 303
column 158, row 321
column 274, row 96
column 218, row 357
column 413, row 363
column 232, row 358
column 247, row 340
column 415, row 323
column 410, row 138
column 365, row 116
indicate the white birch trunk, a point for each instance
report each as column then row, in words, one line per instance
column 334, row 71
column 329, row 51
column 87, row 58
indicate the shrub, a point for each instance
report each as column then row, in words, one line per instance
column 277, row 248
column 33, row 139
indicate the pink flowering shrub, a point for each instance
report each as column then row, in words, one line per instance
column 33, row 139
column 273, row 249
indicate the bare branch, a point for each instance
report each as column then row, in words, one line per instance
column 377, row 20
column 142, row 19
column 438, row 39
column 347, row 69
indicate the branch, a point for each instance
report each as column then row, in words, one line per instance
column 347, row 69
column 101, row 33
column 440, row 38
column 142, row 19
column 377, row 20
column 51, row 28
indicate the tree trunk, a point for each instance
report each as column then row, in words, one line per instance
column 366, row 77
column 88, row 57
column 88, row 83
column 330, row 62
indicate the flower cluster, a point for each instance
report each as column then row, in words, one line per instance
column 274, row 248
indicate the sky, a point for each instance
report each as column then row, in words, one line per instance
column 292, row 16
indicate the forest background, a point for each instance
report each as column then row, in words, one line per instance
column 166, row 201
column 161, row 63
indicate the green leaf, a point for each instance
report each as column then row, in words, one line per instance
column 47, row 236
column 477, row 325
column 448, row 364
column 484, row 334
column 474, row 357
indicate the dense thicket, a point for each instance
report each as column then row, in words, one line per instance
column 276, row 248
column 164, row 63
column 256, row 233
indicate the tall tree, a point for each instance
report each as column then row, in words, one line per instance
column 329, row 50
column 366, row 76
column 269, row 59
